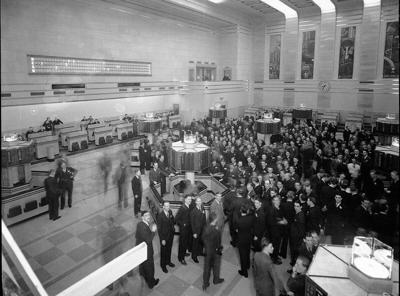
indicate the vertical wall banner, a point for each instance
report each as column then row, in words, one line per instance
column 274, row 56
column 307, row 55
column 346, row 57
column 391, row 55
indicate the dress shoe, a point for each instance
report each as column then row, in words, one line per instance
column 183, row 262
column 56, row 218
column 205, row 287
column 164, row 269
column 171, row 264
column 70, row 206
column 155, row 283
column 187, row 254
column 243, row 273
column 218, row 281
column 195, row 260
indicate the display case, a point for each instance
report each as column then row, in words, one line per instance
column 372, row 257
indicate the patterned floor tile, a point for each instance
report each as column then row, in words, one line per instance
column 193, row 291
column 189, row 275
column 70, row 245
column 81, row 253
column 43, row 275
column 173, row 286
column 88, row 235
column 38, row 247
column 60, row 265
column 95, row 220
column 48, row 256
column 60, row 237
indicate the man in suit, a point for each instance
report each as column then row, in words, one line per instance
column 197, row 223
column 65, row 177
column 337, row 220
column 137, row 189
column 297, row 232
column 121, row 178
column 314, row 216
column 164, row 173
column 307, row 248
column 52, row 194
column 259, row 224
column 147, row 154
column 277, row 223
column 183, row 220
column 145, row 233
column 155, row 175
column 142, row 157
column 218, row 210
column 213, row 251
column 245, row 228
column 166, row 230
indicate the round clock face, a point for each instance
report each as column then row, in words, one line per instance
column 324, row 86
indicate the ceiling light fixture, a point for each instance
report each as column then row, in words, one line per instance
column 217, row 1
column 371, row 3
column 326, row 5
column 282, row 7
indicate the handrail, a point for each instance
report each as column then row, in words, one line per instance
column 22, row 265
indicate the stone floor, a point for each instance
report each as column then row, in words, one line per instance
column 62, row 252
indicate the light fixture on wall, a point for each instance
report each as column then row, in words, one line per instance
column 326, row 6
column 282, row 7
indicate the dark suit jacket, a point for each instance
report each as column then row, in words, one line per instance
column 144, row 234
column 298, row 226
column 327, row 195
column 182, row 218
column 197, row 220
column 51, row 187
column 155, row 176
column 314, row 219
column 259, row 223
column 297, row 284
column 362, row 218
column 137, row 186
column 245, row 229
column 165, row 225
column 303, row 251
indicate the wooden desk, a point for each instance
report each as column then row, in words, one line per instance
column 65, row 131
column 44, row 143
column 59, row 127
column 34, row 136
column 91, row 128
column 124, row 128
column 110, row 119
column 114, row 124
column 102, row 132
column 84, row 125
column 76, row 136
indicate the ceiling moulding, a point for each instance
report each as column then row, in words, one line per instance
column 167, row 13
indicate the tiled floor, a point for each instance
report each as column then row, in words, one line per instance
column 62, row 252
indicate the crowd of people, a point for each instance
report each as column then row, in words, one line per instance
column 307, row 183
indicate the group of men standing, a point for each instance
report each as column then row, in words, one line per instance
column 59, row 182
column 195, row 236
